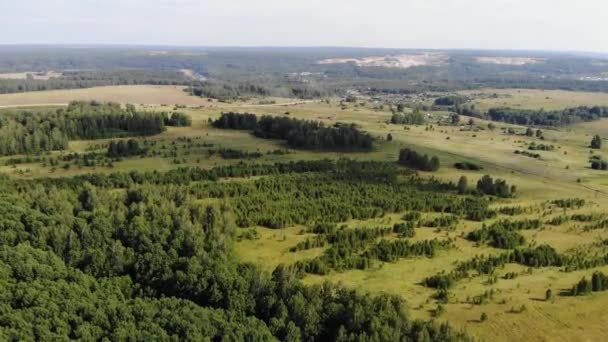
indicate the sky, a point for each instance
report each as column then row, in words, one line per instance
column 562, row 25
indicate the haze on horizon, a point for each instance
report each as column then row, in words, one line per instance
column 560, row 25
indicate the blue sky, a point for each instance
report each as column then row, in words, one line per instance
column 488, row 24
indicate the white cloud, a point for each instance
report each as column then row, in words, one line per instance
column 491, row 24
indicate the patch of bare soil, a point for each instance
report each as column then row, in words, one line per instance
column 395, row 61
column 510, row 60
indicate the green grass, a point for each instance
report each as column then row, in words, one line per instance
column 535, row 98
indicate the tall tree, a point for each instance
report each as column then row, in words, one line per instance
column 596, row 142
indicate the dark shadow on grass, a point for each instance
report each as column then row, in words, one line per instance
column 537, row 299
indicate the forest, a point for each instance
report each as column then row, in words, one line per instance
column 415, row 118
column 230, row 72
column 547, row 118
column 31, row 132
column 93, row 78
column 79, row 260
column 417, row 161
column 300, row 134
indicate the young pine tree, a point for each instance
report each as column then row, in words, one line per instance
column 596, row 142
column 463, row 185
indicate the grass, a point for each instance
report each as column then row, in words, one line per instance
column 145, row 94
column 556, row 175
column 535, row 98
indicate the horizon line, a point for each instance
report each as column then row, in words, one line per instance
column 202, row 46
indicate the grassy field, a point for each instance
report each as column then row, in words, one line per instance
column 144, row 94
column 535, row 98
column 561, row 173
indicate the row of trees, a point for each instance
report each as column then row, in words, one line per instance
column 303, row 134
column 547, row 118
column 310, row 191
column 499, row 187
column 540, row 147
column 415, row 160
column 599, row 282
column 503, row 234
column 596, row 142
column 31, row 132
column 451, row 100
column 415, row 118
column 178, row 119
column 467, row 166
column 541, row 256
column 599, row 164
column 123, row 148
column 79, row 79
column 344, row 195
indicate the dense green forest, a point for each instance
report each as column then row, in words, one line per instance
column 302, row 134
column 415, row 118
column 98, row 78
column 31, row 132
column 226, row 73
column 547, row 118
column 598, row 283
column 418, row 161
column 80, row 260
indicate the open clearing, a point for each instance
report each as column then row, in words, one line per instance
column 554, row 176
column 395, row 61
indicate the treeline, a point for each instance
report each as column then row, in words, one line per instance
column 328, row 233
column 467, row 166
column 417, row 161
column 226, row 92
column 182, row 176
column 444, row 221
column 344, row 257
column 547, row 118
column 178, row 119
column 499, row 187
column 391, row 251
column 541, row 256
column 302, row 134
column 311, row 192
column 415, row 118
column 338, row 197
column 231, row 91
column 451, row 100
column 569, row 203
column 540, row 147
column 123, row 148
column 503, row 234
column 230, row 153
column 598, row 283
column 151, row 262
column 29, row 132
column 597, row 163
column 97, row 78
